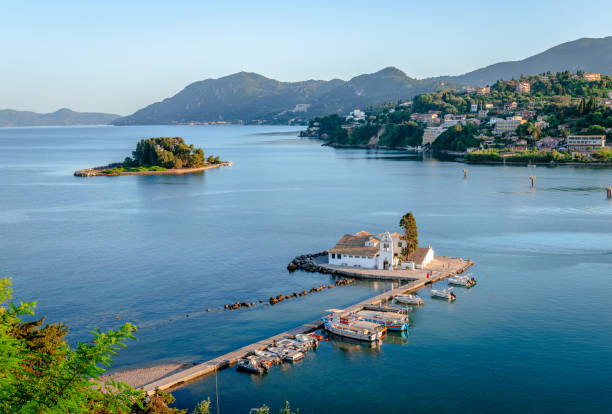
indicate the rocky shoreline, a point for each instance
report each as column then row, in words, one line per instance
column 98, row 171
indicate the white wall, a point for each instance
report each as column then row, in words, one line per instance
column 352, row 261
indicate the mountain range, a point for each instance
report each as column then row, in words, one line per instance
column 249, row 97
column 64, row 116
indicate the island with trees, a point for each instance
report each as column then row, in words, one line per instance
column 161, row 155
column 534, row 119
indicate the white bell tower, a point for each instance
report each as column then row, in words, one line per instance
column 385, row 253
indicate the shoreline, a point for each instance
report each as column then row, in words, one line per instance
column 459, row 156
column 547, row 164
column 97, row 171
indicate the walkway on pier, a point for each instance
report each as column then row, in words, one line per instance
column 441, row 268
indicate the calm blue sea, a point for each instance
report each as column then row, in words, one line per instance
column 534, row 336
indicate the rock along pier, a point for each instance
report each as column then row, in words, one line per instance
column 440, row 268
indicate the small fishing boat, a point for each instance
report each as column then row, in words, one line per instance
column 410, row 299
column 261, row 361
column 285, row 353
column 392, row 321
column 251, row 365
column 404, row 310
column 443, row 294
column 293, row 345
column 466, row 280
column 307, row 340
column 315, row 336
column 341, row 325
column 268, row 356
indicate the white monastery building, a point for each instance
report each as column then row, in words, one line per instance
column 382, row 252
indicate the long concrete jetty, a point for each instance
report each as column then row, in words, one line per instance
column 441, row 268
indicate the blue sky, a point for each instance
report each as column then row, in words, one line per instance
column 114, row 56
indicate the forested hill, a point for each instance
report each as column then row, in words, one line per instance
column 250, row 98
column 64, row 116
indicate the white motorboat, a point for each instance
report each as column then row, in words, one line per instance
column 262, row 361
column 268, row 357
column 348, row 327
column 251, row 365
column 410, row 299
column 293, row 345
column 286, row 353
column 465, row 280
column 391, row 320
column 309, row 341
column 403, row 310
column 443, row 294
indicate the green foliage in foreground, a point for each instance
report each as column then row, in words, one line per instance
column 285, row 410
column 40, row 373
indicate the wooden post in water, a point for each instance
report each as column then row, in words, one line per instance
column 465, row 173
column 609, row 193
column 532, row 178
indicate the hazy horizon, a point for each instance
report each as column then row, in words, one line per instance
column 118, row 58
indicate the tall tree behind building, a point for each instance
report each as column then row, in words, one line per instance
column 411, row 234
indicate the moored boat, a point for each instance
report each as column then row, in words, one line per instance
column 466, row 280
column 410, row 299
column 443, row 294
column 286, row 353
column 354, row 329
column 401, row 309
column 309, row 341
column 392, row 321
column 315, row 336
column 268, row 356
column 251, row 365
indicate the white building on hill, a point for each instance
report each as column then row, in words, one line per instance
column 365, row 250
column 431, row 133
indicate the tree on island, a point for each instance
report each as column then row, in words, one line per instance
column 411, row 234
column 168, row 153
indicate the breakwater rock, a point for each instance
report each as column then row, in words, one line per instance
column 305, row 262
column 276, row 299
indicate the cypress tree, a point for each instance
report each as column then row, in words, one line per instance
column 411, row 234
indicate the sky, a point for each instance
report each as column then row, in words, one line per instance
column 119, row 56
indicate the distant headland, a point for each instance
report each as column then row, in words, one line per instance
column 154, row 156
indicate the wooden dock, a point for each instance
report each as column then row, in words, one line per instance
column 229, row 359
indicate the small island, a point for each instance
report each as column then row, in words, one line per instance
column 161, row 155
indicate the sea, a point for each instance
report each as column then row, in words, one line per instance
column 533, row 336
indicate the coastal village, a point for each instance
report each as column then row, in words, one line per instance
column 563, row 117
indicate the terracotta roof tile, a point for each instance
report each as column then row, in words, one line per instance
column 418, row 256
column 355, row 245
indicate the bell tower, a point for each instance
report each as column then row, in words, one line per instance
column 385, row 252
